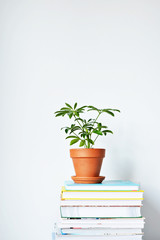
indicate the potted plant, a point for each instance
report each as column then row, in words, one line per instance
column 87, row 161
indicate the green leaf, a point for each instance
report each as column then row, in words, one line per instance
column 81, row 109
column 90, row 141
column 116, row 110
column 87, row 125
column 97, row 132
column 77, row 114
column 70, row 115
column 60, row 114
column 107, row 131
column 57, row 112
column 75, row 105
column 74, row 141
column 78, row 119
column 99, row 126
column 84, row 134
column 72, row 136
column 66, row 130
column 68, row 105
column 82, row 142
column 64, row 108
column 75, row 129
column 92, row 107
column 91, row 120
column 108, row 111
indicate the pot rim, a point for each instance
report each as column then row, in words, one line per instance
column 87, row 152
column 87, row 149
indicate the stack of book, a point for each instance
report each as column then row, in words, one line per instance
column 110, row 210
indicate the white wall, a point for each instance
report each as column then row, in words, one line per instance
column 104, row 53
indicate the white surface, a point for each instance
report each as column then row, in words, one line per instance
column 104, row 53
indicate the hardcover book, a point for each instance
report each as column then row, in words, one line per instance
column 102, row 194
column 101, row 203
column 78, row 237
column 110, row 223
column 99, row 212
column 105, row 185
column 102, row 231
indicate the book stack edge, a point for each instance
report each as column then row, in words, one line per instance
column 110, row 210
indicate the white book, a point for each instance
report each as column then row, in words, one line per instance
column 101, row 202
column 102, row 231
column 99, row 212
column 101, row 223
column 102, row 195
column 78, row 237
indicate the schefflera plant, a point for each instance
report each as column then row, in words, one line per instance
column 84, row 131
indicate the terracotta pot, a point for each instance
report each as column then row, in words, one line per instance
column 87, row 161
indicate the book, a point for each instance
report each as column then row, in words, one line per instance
column 79, row 237
column 101, row 223
column 53, row 235
column 101, row 202
column 107, row 211
column 99, row 212
column 102, row 231
column 105, row 185
column 102, row 195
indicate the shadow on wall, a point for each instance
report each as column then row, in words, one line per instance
column 152, row 217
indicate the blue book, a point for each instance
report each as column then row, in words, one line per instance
column 110, row 185
column 53, row 236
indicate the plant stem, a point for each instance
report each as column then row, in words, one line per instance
column 96, row 138
column 79, row 124
column 93, row 125
column 85, row 143
column 88, row 141
column 97, row 116
column 76, row 135
column 81, row 129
